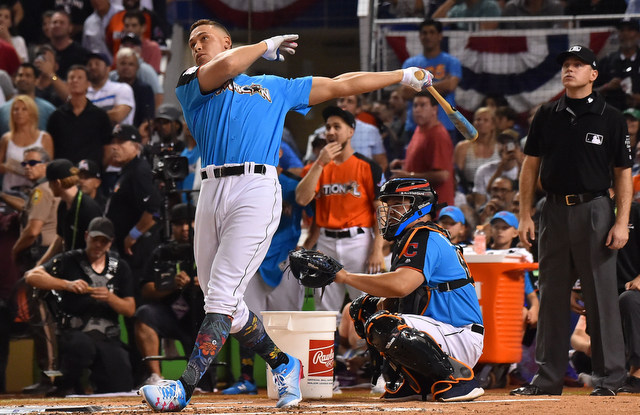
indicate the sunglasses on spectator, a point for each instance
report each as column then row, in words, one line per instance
column 30, row 163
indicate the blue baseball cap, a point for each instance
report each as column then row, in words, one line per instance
column 508, row 217
column 454, row 213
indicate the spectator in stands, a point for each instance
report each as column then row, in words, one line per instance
column 348, row 228
column 507, row 118
column 68, row 51
column 500, row 195
column 94, row 287
column 469, row 8
column 127, row 65
column 93, row 31
column 401, row 8
column 508, row 165
column 114, row 97
column 145, row 72
column 80, row 130
column 38, row 230
column 430, row 151
column 89, row 181
column 75, row 209
column 398, row 106
column 470, row 155
column 9, row 59
column 6, row 86
column 166, row 130
column 173, row 299
column 384, row 115
column 136, row 199
column 23, row 134
column 446, row 70
column 48, row 85
column 26, row 85
column 453, row 220
column 532, row 8
column 153, row 25
column 78, row 13
column 134, row 22
column 504, row 231
column 618, row 76
column 6, row 25
column 595, row 7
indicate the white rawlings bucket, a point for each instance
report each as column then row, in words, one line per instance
column 309, row 336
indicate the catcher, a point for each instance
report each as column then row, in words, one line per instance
column 433, row 335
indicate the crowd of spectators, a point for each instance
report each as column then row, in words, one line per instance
column 85, row 134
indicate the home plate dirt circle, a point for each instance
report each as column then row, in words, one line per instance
column 496, row 401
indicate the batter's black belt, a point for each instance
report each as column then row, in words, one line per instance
column 226, row 171
column 341, row 234
column 576, row 199
column 477, row 328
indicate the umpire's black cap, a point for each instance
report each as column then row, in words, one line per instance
column 339, row 112
column 583, row 53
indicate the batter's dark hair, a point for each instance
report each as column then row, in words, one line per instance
column 203, row 22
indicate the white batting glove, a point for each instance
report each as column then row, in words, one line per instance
column 278, row 44
column 417, row 78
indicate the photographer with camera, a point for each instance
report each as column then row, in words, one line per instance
column 91, row 287
column 174, row 308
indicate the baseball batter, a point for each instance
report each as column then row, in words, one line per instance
column 237, row 121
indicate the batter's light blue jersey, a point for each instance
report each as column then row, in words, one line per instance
column 433, row 254
column 241, row 121
column 440, row 66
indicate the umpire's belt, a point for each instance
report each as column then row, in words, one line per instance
column 576, row 199
column 225, row 171
column 343, row 234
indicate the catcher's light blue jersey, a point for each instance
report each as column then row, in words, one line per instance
column 241, row 121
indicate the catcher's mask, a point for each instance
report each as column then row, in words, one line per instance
column 417, row 199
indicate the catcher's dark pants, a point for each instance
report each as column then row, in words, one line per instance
column 107, row 359
column 572, row 245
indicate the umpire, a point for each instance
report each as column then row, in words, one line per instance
column 580, row 148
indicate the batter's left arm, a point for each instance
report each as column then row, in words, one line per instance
column 623, row 186
column 352, row 83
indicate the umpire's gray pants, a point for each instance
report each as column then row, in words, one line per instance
column 572, row 245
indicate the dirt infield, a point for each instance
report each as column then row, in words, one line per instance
column 574, row 401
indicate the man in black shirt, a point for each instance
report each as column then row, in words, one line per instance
column 79, row 129
column 579, row 146
column 93, row 287
column 135, row 200
column 75, row 209
column 89, row 181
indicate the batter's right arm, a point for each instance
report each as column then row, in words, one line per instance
column 528, row 182
column 233, row 62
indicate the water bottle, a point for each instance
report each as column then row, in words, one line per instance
column 479, row 241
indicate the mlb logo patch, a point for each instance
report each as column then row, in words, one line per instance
column 594, row 139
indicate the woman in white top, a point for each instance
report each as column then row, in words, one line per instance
column 469, row 155
column 6, row 22
column 23, row 133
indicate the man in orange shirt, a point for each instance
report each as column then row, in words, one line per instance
column 345, row 186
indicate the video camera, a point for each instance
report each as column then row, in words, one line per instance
column 172, row 258
column 170, row 167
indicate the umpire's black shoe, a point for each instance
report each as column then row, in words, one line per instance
column 600, row 391
column 631, row 385
column 530, row 390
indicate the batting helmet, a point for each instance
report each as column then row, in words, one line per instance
column 394, row 218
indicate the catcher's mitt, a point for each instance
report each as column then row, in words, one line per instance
column 312, row 268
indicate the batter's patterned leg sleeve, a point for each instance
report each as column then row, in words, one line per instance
column 246, row 363
column 254, row 337
column 211, row 337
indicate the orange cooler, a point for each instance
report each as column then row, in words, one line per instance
column 500, row 288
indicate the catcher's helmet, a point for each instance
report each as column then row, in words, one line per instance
column 393, row 219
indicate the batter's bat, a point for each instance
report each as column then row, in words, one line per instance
column 461, row 123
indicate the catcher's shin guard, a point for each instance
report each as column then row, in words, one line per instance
column 411, row 348
column 361, row 309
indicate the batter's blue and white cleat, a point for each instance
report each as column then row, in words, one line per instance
column 287, row 380
column 241, row 387
column 167, row 396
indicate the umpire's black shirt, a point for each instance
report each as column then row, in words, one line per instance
column 579, row 142
column 134, row 193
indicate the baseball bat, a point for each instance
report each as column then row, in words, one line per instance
column 461, row 123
